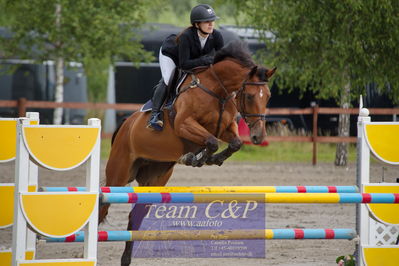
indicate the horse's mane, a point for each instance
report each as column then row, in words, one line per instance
column 237, row 50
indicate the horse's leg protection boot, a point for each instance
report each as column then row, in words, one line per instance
column 156, row 119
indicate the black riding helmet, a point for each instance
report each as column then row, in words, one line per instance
column 202, row 13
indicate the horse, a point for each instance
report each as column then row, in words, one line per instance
column 204, row 111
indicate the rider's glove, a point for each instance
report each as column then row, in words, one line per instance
column 207, row 60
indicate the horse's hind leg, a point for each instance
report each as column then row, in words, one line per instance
column 149, row 175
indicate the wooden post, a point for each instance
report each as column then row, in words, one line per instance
column 21, row 107
column 314, row 134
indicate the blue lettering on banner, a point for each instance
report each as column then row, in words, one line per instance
column 216, row 215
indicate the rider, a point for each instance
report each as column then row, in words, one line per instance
column 193, row 47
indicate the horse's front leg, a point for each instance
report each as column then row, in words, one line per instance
column 230, row 135
column 191, row 130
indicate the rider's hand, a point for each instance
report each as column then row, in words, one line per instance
column 207, row 59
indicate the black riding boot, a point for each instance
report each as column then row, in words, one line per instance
column 156, row 119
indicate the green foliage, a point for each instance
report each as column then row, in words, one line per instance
column 4, row 17
column 97, row 78
column 105, row 148
column 173, row 12
column 93, row 32
column 325, row 45
column 348, row 260
column 177, row 12
column 92, row 28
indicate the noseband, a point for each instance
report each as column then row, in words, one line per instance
column 223, row 100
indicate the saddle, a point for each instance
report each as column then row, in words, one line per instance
column 174, row 88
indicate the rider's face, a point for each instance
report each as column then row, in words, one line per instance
column 206, row 26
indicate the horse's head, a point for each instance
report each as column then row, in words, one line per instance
column 252, row 99
column 254, row 92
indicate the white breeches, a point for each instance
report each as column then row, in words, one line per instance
column 167, row 66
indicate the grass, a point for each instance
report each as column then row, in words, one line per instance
column 274, row 152
column 105, row 148
column 290, row 152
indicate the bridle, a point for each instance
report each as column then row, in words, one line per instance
column 241, row 95
column 195, row 82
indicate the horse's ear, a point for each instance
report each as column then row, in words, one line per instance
column 270, row 72
column 253, row 71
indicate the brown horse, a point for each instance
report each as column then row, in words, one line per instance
column 204, row 111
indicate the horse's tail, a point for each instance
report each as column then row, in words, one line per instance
column 116, row 131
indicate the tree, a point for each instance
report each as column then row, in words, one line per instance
column 177, row 12
column 67, row 30
column 331, row 47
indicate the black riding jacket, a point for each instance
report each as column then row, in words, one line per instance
column 187, row 52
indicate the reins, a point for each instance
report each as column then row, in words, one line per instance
column 195, row 82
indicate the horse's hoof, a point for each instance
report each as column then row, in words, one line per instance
column 187, row 159
column 194, row 163
column 215, row 160
column 219, row 163
column 210, row 161
column 197, row 164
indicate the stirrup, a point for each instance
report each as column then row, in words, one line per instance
column 155, row 122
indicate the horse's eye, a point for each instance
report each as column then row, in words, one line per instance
column 249, row 97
